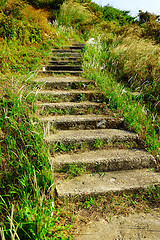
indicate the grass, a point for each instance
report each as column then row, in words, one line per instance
column 124, row 203
column 26, row 183
column 74, row 170
column 60, row 147
column 135, row 62
column 25, row 179
column 136, row 115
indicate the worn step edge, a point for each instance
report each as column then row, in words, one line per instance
column 62, row 80
column 66, row 58
column 65, row 93
column 62, row 66
column 53, row 82
column 74, row 50
column 68, row 105
column 82, row 121
column 106, row 160
column 65, row 62
column 75, row 46
column 79, row 136
column 94, row 185
column 59, row 72
column 61, row 92
column 67, row 54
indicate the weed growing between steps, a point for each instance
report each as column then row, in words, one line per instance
column 144, row 200
column 60, row 147
column 135, row 114
column 74, row 170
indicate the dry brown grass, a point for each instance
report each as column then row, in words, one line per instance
column 137, row 62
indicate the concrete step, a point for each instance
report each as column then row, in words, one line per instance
column 71, row 108
column 89, row 185
column 66, row 58
column 73, row 82
column 76, row 46
column 90, row 136
column 69, row 122
column 67, row 54
column 52, row 72
column 65, row 62
column 63, row 67
column 70, row 95
column 106, row 160
column 68, row 50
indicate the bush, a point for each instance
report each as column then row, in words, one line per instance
column 49, row 4
column 151, row 29
column 113, row 14
column 76, row 15
column 21, row 21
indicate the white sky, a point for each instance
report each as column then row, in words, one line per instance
column 152, row 6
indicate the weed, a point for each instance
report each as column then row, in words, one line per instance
column 62, row 148
column 98, row 143
column 74, row 170
column 88, row 203
column 82, row 97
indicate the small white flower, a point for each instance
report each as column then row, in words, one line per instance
column 91, row 41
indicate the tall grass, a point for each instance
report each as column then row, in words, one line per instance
column 131, row 107
column 136, row 62
column 25, row 176
column 76, row 15
column 27, row 208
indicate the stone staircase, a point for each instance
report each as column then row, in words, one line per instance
column 67, row 60
column 80, row 130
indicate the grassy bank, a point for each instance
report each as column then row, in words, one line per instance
column 26, row 184
column 129, row 105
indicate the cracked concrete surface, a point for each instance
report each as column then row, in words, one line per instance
column 133, row 227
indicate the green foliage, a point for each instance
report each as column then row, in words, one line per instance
column 151, row 28
column 74, row 170
column 143, row 17
column 90, row 202
column 98, row 143
column 18, row 58
column 134, row 112
column 76, row 15
column 49, row 4
column 136, row 63
column 113, row 14
column 24, row 170
column 21, row 21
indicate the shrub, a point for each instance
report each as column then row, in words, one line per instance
column 21, row 21
column 76, row 15
column 151, row 29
